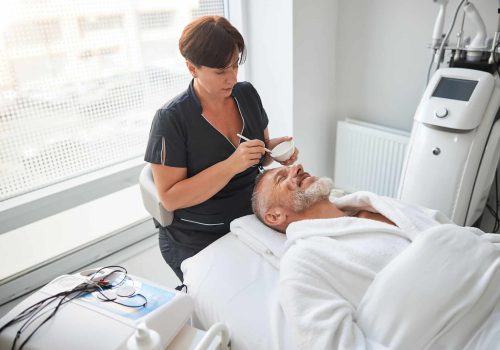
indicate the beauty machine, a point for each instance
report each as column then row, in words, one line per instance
column 455, row 144
column 454, row 147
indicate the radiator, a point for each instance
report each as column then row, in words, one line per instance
column 369, row 157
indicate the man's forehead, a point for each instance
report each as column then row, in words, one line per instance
column 275, row 171
column 270, row 174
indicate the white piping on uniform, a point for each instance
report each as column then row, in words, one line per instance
column 201, row 223
column 241, row 115
column 162, row 155
column 242, row 120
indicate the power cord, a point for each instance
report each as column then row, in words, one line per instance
column 431, row 63
column 439, row 51
column 99, row 281
column 495, row 59
column 494, row 211
column 448, row 34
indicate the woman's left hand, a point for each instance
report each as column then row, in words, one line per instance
column 274, row 142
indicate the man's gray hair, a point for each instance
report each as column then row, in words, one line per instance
column 300, row 200
column 259, row 202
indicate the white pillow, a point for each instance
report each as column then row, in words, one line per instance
column 269, row 243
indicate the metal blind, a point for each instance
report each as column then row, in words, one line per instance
column 81, row 80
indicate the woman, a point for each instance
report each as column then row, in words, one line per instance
column 202, row 170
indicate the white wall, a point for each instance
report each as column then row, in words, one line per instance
column 268, row 35
column 315, row 63
column 314, row 82
column 291, row 62
column 382, row 56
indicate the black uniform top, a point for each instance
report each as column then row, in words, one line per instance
column 191, row 142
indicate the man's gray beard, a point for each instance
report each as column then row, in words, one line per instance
column 317, row 191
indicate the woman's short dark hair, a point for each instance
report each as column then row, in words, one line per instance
column 211, row 41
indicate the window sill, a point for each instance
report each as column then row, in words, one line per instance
column 62, row 239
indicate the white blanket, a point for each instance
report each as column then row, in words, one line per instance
column 443, row 292
column 331, row 263
column 323, row 278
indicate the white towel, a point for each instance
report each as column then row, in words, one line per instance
column 260, row 238
column 442, row 292
column 330, row 263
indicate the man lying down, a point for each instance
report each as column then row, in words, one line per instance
column 367, row 271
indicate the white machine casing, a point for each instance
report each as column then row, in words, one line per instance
column 80, row 324
column 454, row 148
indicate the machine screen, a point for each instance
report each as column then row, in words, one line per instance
column 455, row 89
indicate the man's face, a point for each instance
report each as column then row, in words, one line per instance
column 292, row 188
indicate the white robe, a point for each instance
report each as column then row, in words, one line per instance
column 330, row 264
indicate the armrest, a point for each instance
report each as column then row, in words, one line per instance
column 150, row 198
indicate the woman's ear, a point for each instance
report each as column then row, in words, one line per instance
column 192, row 69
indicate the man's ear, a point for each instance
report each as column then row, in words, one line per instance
column 275, row 216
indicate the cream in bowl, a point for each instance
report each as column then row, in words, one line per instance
column 283, row 151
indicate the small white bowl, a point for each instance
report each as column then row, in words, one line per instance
column 283, row 151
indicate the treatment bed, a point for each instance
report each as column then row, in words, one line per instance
column 442, row 292
column 235, row 281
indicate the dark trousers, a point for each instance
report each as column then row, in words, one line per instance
column 175, row 253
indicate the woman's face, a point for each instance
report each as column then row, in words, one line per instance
column 217, row 81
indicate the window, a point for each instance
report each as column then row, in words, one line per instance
column 80, row 82
column 160, row 19
column 99, row 23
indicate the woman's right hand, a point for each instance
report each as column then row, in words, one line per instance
column 246, row 155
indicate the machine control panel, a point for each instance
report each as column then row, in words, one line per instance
column 456, row 98
column 455, row 89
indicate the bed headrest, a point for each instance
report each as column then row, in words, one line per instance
column 262, row 239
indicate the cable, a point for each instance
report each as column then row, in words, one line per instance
column 431, row 63
column 97, row 282
column 79, row 290
column 495, row 216
column 145, row 300
column 116, row 269
column 497, row 64
column 448, row 34
column 27, row 312
column 494, row 211
column 61, row 302
column 497, row 219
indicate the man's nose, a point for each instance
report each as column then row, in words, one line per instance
column 294, row 170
